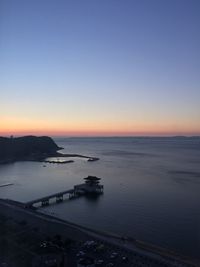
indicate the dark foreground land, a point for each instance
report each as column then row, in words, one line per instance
column 29, row 238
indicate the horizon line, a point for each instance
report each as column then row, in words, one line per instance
column 105, row 136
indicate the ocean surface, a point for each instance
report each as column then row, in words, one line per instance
column 151, row 188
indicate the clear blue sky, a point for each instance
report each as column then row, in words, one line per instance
column 100, row 67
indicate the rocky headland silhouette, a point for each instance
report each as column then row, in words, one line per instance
column 31, row 148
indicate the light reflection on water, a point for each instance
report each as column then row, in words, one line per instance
column 152, row 188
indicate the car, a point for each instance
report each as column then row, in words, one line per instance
column 113, row 255
column 99, row 262
column 124, row 259
column 86, row 261
column 89, row 243
column 51, row 262
column 80, row 254
column 43, row 244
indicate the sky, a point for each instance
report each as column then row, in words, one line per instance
column 99, row 67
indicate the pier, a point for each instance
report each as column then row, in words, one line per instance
column 7, row 184
column 91, row 186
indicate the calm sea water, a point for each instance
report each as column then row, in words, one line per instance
column 152, row 188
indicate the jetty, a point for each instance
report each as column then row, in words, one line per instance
column 7, row 184
column 90, row 186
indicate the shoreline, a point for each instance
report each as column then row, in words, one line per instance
column 51, row 224
column 43, row 158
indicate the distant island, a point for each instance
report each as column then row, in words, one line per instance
column 31, row 148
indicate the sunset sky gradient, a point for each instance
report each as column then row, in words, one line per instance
column 100, row 67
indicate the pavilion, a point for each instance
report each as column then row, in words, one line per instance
column 91, row 185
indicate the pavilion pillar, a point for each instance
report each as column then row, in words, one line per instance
column 59, row 198
column 45, row 202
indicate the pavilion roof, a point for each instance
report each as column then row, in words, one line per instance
column 92, row 178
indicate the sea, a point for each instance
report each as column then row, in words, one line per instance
column 151, row 188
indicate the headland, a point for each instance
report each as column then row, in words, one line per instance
column 33, row 148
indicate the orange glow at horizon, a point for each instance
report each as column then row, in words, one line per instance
column 11, row 126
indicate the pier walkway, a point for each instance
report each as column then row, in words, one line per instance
column 91, row 185
column 45, row 200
